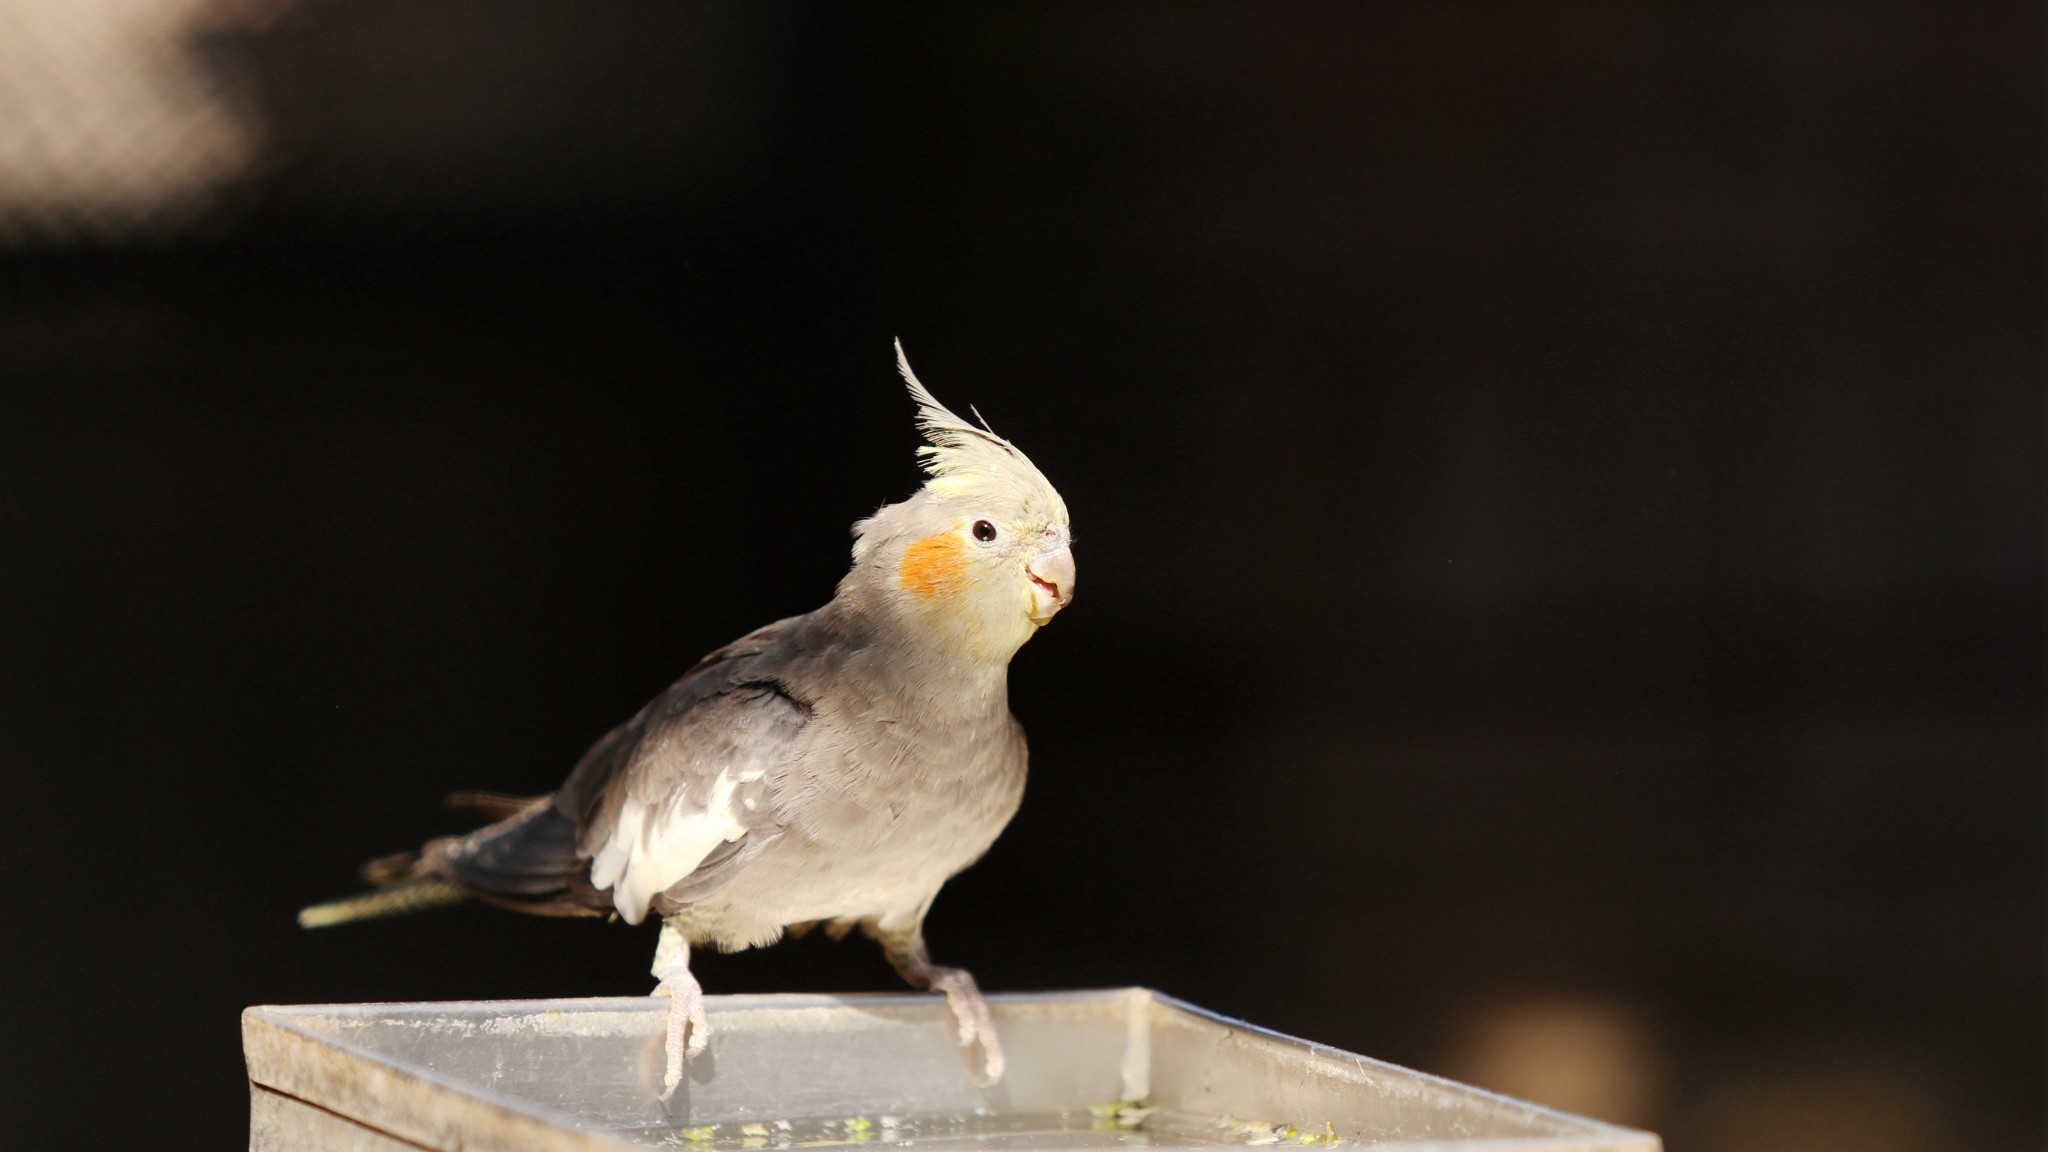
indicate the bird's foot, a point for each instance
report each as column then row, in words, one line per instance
column 689, row 1027
column 971, row 1017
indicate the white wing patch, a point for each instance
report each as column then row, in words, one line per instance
column 653, row 846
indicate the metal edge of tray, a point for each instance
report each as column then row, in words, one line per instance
column 1571, row 1132
column 394, row 1098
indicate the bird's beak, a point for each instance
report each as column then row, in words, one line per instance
column 1052, row 582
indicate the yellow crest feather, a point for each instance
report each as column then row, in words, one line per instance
column 964, row 459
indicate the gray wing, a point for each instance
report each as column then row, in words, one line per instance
column 677, row 800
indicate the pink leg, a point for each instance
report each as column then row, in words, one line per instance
column 970, row 1012
column 689, row 1027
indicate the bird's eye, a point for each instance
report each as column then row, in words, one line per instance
column 984, row 531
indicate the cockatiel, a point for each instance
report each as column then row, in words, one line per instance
column 835, row 767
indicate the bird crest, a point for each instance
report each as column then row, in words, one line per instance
column 968, row 460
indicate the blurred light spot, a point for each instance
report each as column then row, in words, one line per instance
column 1592, row 1057
column 110, row 124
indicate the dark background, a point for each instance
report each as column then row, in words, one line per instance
column 1557, row 487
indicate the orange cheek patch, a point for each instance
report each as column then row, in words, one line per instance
column 933, row 566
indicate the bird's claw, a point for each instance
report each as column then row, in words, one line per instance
column 689, row 1027
column 972, row 1019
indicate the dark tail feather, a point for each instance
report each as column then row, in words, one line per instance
column 532, row 853
column 396, row 868
column 527, row 861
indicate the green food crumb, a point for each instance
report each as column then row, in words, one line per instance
column 1259, row 1133
column 1117, row 1114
